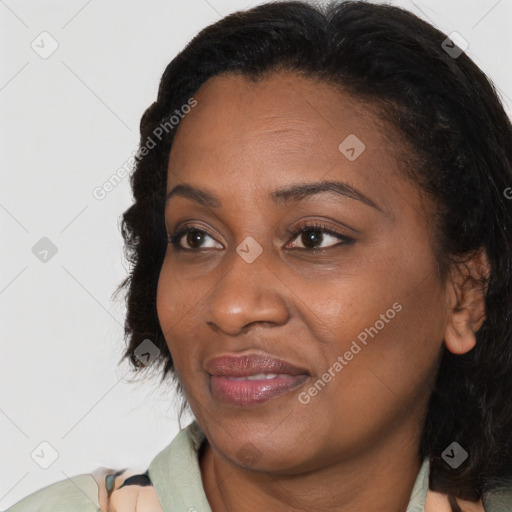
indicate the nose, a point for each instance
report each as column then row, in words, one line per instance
column 247, row 294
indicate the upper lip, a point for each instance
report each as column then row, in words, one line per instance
column 243, row 365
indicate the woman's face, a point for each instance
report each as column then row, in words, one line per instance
column 358, row 311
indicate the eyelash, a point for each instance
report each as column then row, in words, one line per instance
column 303, row 228
column 317, row 226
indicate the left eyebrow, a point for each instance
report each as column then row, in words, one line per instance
column 296, row 192
column 303, row 190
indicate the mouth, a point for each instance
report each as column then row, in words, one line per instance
column 252, row 378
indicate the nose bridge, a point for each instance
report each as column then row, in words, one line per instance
column 248, row 291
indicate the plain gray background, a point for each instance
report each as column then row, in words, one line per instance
column 69, row 121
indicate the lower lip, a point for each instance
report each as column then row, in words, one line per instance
column 246, row 392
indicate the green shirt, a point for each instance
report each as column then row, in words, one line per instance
column 176, row 477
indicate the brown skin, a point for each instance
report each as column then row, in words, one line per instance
column 354, row 446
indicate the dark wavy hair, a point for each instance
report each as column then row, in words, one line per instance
column 458, row 139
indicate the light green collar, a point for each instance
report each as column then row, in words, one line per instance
column 176, row 475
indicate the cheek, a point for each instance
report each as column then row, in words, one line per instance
column 398, row 358
column 178, row 302
column 172, row 306
column 166, row 305
column 175, row 298
column 387, row 324
column 417, row 341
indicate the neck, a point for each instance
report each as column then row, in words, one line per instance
column 380, row 478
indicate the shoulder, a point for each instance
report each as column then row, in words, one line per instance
column 103, row 490
column 79, row 492
column 174, row 469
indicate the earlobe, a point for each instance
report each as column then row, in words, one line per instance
column 467, row 303
column 459, row 337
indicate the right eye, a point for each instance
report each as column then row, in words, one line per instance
column 193, row 236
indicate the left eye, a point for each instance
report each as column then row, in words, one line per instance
column 310, row 236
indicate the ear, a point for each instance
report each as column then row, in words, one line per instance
column 468, row 287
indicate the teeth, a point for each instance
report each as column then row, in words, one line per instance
column 258, row 376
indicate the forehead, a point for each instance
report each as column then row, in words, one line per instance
column 277, row 129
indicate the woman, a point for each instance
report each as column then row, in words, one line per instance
column 322, row 239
